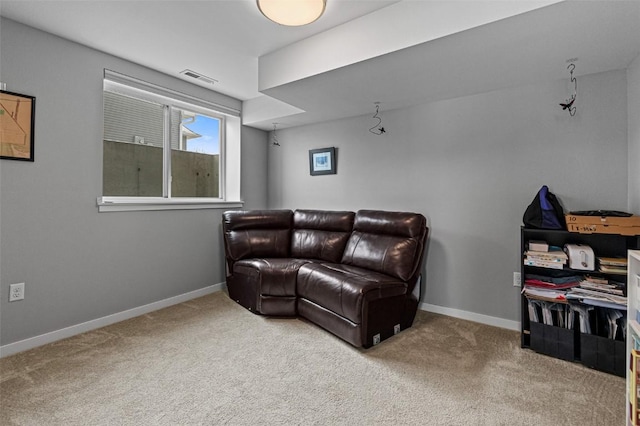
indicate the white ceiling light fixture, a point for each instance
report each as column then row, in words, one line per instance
column 292, row 13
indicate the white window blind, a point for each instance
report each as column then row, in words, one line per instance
column 131, row 120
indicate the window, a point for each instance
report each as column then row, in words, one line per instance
column 164, row 149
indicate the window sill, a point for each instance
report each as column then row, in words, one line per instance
column 125, row 204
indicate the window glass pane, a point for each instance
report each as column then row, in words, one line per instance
column 195, row 154
column 132, row 147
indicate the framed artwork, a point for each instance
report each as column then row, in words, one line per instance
column 322, row 161
column 17, row 114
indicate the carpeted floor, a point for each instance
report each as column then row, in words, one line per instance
column 210, row 362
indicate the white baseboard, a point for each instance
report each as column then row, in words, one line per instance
column 471, row 316
column 43, row 339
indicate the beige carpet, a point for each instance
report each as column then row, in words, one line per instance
column 210, row 362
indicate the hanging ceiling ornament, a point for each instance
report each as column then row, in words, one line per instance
column 377, row 129
column 568, row 105
column 275, row 136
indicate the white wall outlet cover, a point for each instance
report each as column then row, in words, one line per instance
column 517, row 279
column 16, row 292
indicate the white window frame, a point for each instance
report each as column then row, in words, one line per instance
column 229, row 149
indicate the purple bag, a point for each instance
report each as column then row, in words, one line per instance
column 544, row 212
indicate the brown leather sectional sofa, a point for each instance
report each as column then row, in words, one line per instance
column 354, row 274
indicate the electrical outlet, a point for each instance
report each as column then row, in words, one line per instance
column 517, row 279
column 16, row 292
column 376, row 339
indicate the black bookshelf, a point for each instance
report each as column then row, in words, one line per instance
column 591, row 350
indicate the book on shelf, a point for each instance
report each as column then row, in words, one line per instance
column 552, row 259
column 619, row 270
column 541, row 246
column 543, row 263
column 613, row 265
column 551, row 256
column 613, row 261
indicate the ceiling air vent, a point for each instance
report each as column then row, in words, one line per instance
column 199, row 77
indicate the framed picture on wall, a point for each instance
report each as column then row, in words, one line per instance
column 322, row 161
column 17, row 114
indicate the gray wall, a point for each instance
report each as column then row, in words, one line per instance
column 633, row 99
column 79, row 264
column 254, row 168
column 471, row 165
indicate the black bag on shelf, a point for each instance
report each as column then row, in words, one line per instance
column 544, row 212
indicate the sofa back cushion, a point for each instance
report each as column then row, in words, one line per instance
column 257, row 233
column 320, row 234
column 387, row 242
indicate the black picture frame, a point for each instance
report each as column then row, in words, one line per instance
column 17, row 121
column 322, row 161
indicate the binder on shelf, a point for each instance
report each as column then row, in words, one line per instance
column 634, row 389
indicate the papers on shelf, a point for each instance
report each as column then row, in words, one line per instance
column 552, row 259
column 603, row 286
column 555, row 314
column 583, row 316
column 587, row 295
column 589, row 290
column 613, row 316
column 613, row 269
column 613, row 261
column 545, row 293
column 610, row 323
column 613, row 265
column 549, row 288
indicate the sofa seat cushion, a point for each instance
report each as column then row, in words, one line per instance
column 343, row 289
column 274, row 276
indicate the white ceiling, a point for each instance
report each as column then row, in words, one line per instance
column 221, row 39
column 361, row 51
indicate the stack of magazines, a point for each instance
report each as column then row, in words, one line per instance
column 599, row 292
column 555, row 258
column 613, row 265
